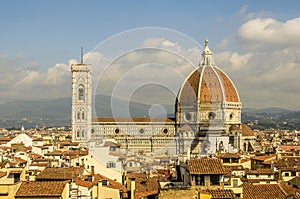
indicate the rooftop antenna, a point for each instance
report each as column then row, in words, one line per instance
column 81, row 55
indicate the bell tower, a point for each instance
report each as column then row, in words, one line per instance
column 81, row 102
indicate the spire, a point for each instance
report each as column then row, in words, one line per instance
column 206, row 56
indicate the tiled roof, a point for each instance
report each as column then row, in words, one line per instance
column 41, row 189
column 40, row 164
column 245, row 160
column 288, row 147
column 260, row 171
column 146, row 187
column 259, row 180
column 34, row 155
column 19, row 160
column 5, row 139
column 288, row 162
column 229, row 155
column 54, row 153
column 234, row 167
column 206, row 166
column 110, row 143
column 68, row 153
column 220, row 193
column 15, row 171
column 3, row 164
column 96, row 178
column 2, row 174
column 263, row 157
column 67, row 173
column 134, row 120
column 267, row 191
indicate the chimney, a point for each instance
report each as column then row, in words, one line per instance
column 92, row 170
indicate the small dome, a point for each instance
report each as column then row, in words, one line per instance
column 246, row 130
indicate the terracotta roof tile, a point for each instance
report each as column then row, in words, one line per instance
column 260, row 171
column 229, row 155
column 146, row 186
column 246, row 130
column 206, row 166
column 263, row 157
column 289, row 148
column 41, row 189
column 234, row 167
column 54, row 173
column 267, row 191
column 2, row 174
column 110, row 143
column 15, row 171
column 213, row 83
column 221, row 193
column 96, row 178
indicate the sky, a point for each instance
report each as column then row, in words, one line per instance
column 138, row 48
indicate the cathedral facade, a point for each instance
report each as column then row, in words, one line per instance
column 207, row 116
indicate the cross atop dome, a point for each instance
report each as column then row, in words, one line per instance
column 206, row 56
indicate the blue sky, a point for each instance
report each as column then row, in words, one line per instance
column 53, row 31
column 41, row 34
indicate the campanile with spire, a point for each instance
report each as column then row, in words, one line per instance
column 81, row 102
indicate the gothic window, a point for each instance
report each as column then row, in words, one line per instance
column 82, row 115
column 78, row 115
column 81, row 93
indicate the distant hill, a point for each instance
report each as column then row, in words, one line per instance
column 57, row 112
column 266, row 110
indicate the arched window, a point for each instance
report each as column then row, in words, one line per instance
column 78, row 133
column 231, row 116
column 78, row 115
column 82, row 133
column 81, row 93
column 211, row 116
column 82, row 115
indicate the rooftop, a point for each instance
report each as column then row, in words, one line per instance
column 41, row 189
column 206, row 166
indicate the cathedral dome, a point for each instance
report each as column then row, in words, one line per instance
column 207, row 84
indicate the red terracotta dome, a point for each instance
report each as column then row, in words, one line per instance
column 207, row 83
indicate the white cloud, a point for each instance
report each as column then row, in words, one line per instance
column 242, row 10
column 223, row 45
column 269, row 34
column 263, row 78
